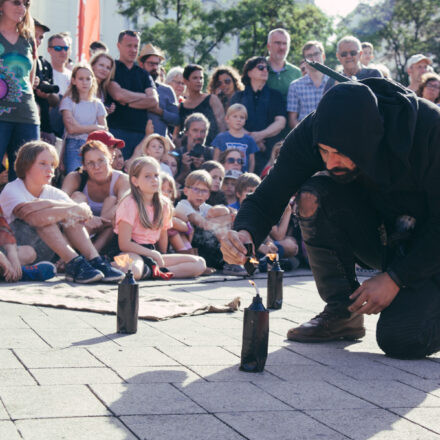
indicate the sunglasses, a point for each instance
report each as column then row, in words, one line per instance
column 232, row 160
column 226, row 81
column 352, row 53
column 261, row 67
column 26, row 4
column 60, row 48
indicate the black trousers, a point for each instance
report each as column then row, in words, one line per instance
column 345, row 230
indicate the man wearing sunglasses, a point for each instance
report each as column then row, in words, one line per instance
column 349, row 52
column 375, row 202
column 58, row 47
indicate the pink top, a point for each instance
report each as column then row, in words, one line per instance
column 128, row 212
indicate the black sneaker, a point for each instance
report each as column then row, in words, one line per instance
column 110, row 273
column 80, row 271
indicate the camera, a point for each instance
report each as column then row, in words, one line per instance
column 197, row 150
column 46, row 87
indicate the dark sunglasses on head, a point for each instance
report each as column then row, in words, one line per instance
column 232, row 160
column 26, row 4
column 353, row 53
column 261, row 67
column 59, row 48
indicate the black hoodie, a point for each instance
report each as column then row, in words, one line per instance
column 394, row 139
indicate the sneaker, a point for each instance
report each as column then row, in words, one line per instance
column 42, row 271
column 328, row 326
column 234, row 269
column 80, row 271
column 111, row 274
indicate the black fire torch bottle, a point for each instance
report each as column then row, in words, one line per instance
column 275, row 286
column 255, row 337
column 128, row 304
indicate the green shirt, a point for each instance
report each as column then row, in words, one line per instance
column 281, row 80
column 17, row 102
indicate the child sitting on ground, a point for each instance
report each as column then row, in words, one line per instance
column 237, row 137
column 217, row 172
column 142, row 220
column 246, row 184
column 228, row 186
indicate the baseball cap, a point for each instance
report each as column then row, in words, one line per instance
column 416, row 59
column 106, row 138
column 233, row 174
column 42, row 26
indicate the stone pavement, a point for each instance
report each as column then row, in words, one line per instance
column 68, row 375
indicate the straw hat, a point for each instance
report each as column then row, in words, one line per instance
column 149, row 49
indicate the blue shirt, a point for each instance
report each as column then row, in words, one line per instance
column 168, row 103
column 246, row 145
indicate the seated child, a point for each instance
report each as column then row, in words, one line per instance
column 237, row 137
column 181, row 234
column 210, row 222
column 48, row 219
column 217, row 172
column 246, row 184
column 13, row 258
column 228, row 186
column 142, row 220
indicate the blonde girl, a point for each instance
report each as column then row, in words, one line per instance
column 82, row 113
column 103, row 66
column 142, row 221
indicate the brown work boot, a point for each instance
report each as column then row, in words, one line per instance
column 328, row 326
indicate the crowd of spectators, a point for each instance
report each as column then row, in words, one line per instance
column 120, row 156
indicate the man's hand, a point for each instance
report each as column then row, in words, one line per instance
column 197, row 161
column 374, row 295
column 186, row 160
column 232, row 246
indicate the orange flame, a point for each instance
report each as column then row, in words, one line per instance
column 253, row 260
column 123, row 260
column 272, row 257
column 254, row 285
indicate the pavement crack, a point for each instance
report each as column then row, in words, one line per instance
column 25, row 367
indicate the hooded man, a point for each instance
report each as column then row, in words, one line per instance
column 377, row 202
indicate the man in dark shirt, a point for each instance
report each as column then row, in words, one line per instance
column 133, row 91
column 377, row 203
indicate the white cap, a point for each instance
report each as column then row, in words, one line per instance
column 416, row 59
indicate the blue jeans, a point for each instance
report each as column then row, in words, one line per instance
column 72, row 157
column 12, row 136
column 131, row 139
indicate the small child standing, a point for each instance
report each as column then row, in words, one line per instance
column 82, row 113
column 142, row 219
column 237, row 137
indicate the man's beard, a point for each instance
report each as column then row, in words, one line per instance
column 154, row 74
column 347, row 175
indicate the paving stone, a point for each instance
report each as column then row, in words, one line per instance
column 12, row 322
column 201, row 355
column 304, row 373
column 428, row 417
column 75, row 376
column 144, row 399
column 8, row 360
column 424, row 368
column 96, row 428
column 15, row 377
column 280, row 425
column 313, row 395
column 372, row 424
column 73, row 337
column 131, row 357
column 146, row 336
column 232, row 396
column 55, row 358
column 182, row 427
column 21, row 338
column 55, row 321
column 3, row 414
column 428, row 385
column 176, row 374
column 51, row 401
column 387, row 394
column 8, row 431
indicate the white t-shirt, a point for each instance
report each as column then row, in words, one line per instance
column 15, row 192
column 84, row 112
column 166, row 169
column 62, row 79
column 186, row 208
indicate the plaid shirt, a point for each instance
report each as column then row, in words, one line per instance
column 303, row 97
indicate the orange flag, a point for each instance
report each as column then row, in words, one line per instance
column 88, row 26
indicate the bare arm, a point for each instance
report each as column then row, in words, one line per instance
column 219, row 112
column 123, row 96
column 251, row 165
column 102, row 120
column 73, row 127
column 271, row 130
column 150, row 101
column 279, row 231
column 162, row 244
column 216, row 155
column 71, row 183
column 122, row 186
column 293, row 119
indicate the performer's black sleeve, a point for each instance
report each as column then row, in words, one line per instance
column 299, row 159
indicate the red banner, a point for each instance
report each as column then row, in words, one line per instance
column 88, row 26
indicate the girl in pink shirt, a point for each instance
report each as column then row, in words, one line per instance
column 142, row 220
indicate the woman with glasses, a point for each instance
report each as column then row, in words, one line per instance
column 19, row 118
column 224, row 82
column 265, row 107
column 430, row 87
column 174, row 79
column 232, row 159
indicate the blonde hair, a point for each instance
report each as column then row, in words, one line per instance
column 72, row 91
column 166, row 178
column 102, row 87
column 162, row 139
column 159, row 201
column 27, row 154
column 235, row 108
column 26, row 27
column 201, row 176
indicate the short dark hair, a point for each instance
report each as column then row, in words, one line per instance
column 190, row 68
column 98, row 45
column 249, row 65
column 130, row 33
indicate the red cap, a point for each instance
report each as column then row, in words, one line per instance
column 106, row 138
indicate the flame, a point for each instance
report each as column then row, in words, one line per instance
column 123, row 260
column 252, row 283
column 272, row 257
column 253, row 260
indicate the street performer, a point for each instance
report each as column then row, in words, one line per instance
column 366, row 169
